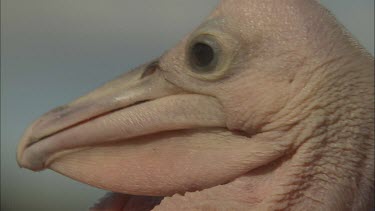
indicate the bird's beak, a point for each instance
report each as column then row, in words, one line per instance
column 138, row 103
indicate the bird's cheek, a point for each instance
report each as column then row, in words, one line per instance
column 253, row 104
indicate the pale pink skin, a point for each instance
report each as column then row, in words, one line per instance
column 284, row 122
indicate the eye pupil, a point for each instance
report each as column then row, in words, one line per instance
column 202, row 54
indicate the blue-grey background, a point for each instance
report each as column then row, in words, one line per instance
column 56, row 50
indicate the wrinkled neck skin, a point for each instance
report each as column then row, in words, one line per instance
column 331, row 161
column 329, row 133
column 333, row 153
column 330, row 164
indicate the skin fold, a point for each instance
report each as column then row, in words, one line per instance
column 282, row 120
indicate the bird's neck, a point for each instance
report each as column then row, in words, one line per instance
column 334, row 143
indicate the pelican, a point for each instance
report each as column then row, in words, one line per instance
column 267, row 105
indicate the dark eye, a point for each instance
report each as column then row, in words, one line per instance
column 203, row 54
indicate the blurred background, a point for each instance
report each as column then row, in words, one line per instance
column 53, row 51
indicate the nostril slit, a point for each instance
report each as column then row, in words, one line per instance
column 150, row 69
